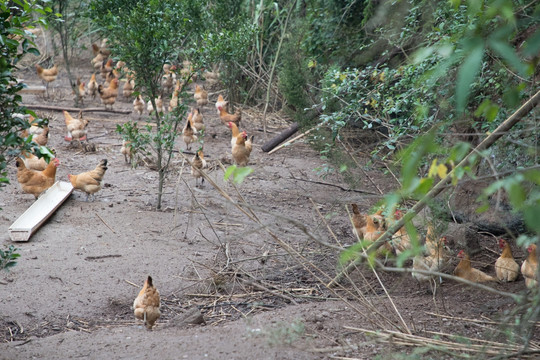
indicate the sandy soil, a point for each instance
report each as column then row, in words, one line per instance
column 71, row 293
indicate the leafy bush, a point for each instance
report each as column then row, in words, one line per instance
column 8, row 258
column 15, row 43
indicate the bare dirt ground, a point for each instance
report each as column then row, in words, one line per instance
column 262, row 295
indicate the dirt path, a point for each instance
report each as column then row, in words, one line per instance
column 71, row 293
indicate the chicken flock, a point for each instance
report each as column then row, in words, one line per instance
column 110, row 82
column 437, row 255
column 36, row 176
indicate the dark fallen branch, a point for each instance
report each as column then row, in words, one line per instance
column 90, row 258
column 275, row 141
column 334, row 185
column 58, row 108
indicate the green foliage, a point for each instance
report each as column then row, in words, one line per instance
column 15, row 42
column 295, row 76
column 523, row 189
column 8, row 258
column 146, row 35
column 238, row 173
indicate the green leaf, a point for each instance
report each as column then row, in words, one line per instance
column 238, row 173
column 468, row 71
column 509, row 55
column 531, row 47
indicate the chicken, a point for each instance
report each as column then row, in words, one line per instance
column 127, row 150
column 32, row 162
column 201, row 96
column 437, row 259
column 187, row 70
column 97, row 61
column 211, row 77
column 234, row 132
column 111, row 76
column 128, row 88
column 101, row 49
column 189, row 134
column 92, row 88
column 529, row 268
column 226, row 117
column 89, row 182
column 174, row 101
column 368, row 227
column 198, row 122
column 167, row 82
column 81, row 90
column 198, row 163
column 76, row 128
column 39, row 135
column 108, row 95
column 506, row 268
column 138, row 105
column 241, row 150
column 47, row 75
column 159, row 105
column 95, row 49
column 36, row 182
column 465, row 271
column 221, row 103
column 106, row 68
column 147, row 303
column 400, row 240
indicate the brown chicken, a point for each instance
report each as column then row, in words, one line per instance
column 201, row 96
column 529, row 268
column 400, row 240
column 108, row 95
column 241, row 150
column 106, row 68
column 465, row 271
column 32, row 162
column 226, row 117
column 90, row 182
column 98, row 60
column 370, row 228
column 127, row 150
column 174, row 101
column 76, row 128
column 36, row 182
column 147, row 303
column 198, row 163
column 111, row 76
column 138, row 105
column 167, row 82
column 198, row 122
column 189, row 133
column 437, row 260
column 360, row 224
column 47, row 75
column 159, row 105
column 81, row 90
column 129, row 87
column 221, row 103
column 506, row 268
column 234, row 132
column 42, row 138
column 92, row 88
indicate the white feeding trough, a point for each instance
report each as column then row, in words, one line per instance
column 41, row 210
